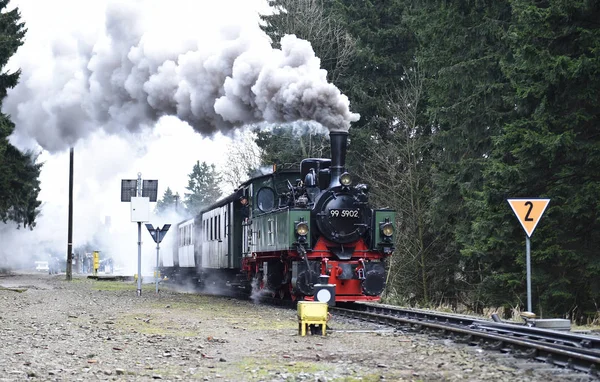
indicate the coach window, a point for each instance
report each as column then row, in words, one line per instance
column 265, row 199
column 219, row 225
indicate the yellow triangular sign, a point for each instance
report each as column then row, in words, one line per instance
column 529, row 211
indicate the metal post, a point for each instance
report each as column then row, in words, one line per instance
column 157, row 249
column 528, row 259
column 139, row 272
column 70, row 228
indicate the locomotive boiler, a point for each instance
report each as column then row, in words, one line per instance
column 306, row 226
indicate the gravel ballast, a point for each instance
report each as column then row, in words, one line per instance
column 51, row 329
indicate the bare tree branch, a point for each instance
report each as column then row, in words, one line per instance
column 243, row 158
column 396, row 170
column 307, row 20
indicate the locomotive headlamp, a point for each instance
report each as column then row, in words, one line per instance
column 302, row 229
column 387, row 229
column 345, row 179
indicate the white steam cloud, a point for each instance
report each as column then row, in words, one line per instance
column 129, row 78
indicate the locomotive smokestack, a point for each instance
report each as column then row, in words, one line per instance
column 339, row 141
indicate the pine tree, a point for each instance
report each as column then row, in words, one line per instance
column 371, row 71
column 460, row 45
column 551, row 149
column 286, row 146
column 203, row 185
column 169, row 201
column 19, row 172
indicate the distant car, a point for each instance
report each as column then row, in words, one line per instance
column 42, row 266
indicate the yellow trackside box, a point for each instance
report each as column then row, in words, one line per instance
column 312, row 311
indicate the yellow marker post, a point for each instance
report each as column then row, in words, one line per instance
column 529, row 211
column 96, row 258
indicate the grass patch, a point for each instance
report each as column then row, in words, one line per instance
column 192, row 303
column 113, row 286
column 18, row 290
column 261, row 369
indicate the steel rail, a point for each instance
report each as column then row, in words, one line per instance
column 575, row 358
column 554, row 336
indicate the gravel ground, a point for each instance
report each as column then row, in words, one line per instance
column 84, row 330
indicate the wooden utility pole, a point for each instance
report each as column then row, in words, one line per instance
column 70, row 235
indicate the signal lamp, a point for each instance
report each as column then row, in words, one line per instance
column 302, row 229
column 387, row 229
column 345, row 179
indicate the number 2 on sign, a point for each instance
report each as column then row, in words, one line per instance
column 527, row 218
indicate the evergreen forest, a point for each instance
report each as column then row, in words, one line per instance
column 465, row 104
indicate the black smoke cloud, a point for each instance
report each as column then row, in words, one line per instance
column 118, row 83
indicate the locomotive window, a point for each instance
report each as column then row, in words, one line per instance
column 266, row 199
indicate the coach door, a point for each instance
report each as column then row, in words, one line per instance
column 246, row 226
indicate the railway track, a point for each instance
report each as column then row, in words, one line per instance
column 561, row 349
column 564, row 349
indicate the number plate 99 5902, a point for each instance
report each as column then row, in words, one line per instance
column 344, row 213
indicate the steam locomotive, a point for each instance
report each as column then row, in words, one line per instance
column 305, row 228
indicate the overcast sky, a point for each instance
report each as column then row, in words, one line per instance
column 166, row 151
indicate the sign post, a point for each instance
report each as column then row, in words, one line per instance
column 140, row 194
column 529, row 211
column 157, row 234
